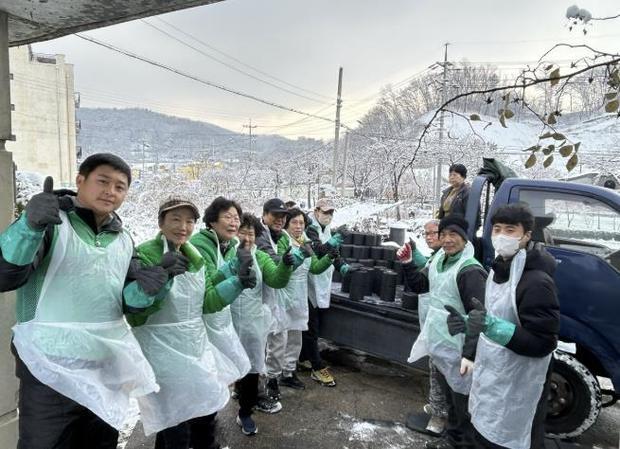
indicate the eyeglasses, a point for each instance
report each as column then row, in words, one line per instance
column 428, row 234
column 230, row 217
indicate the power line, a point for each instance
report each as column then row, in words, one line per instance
column 182, row 42
column 196, row 78
column 239, row 61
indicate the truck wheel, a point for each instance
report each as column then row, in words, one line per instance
column 574, row 398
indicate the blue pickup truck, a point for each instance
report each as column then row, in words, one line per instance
column 580, row 226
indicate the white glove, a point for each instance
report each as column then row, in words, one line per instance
column 467, row 367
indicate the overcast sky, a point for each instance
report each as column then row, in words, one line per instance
column 377, row 43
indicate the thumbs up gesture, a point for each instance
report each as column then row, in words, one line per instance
column 246, row 260
column 174, row 262
column 43, row 208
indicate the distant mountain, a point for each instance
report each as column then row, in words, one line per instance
column 135, row 132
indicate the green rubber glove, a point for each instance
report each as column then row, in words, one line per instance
column 344, row 269
column 499, row 330
column 335, row 241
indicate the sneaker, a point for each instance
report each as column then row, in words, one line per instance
column 304, row 366
column 292, row 381
column 436, row 425
column 268, row 405
column 440, row 443
column 273, row 390
column 247, row 424
column 324, row 377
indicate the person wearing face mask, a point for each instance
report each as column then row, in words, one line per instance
column 415, row 269
column 455, row 278
column 519, row 323
column 454, row 198
column 319, row 288
column 291, row 315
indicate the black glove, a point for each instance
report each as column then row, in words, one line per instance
column 306, row 249
column 456, row 321
column 151, row 279
column 334, row 253
column 477, row 318
column 174, row 262
column 287, row 258
column 320, row 249
column 43, row 208
column 244, row 255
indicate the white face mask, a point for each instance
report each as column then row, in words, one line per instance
column 505, row 245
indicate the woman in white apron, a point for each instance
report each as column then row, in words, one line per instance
column 173, row 336
column 519, row 328
column 291, row 309
column 252, row 320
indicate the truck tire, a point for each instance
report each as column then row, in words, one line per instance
column 574, row 398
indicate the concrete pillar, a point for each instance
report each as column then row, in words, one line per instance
column 8, row 382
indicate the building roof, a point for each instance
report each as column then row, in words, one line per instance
column 39, row 20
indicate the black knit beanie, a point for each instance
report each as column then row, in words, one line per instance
column 456, row 223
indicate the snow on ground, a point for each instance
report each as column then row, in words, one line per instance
column 393, row 435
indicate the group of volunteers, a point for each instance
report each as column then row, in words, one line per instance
column 172, row 322
column 176, row 320
column 489, row 336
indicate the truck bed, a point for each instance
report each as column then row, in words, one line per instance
column 379, row 328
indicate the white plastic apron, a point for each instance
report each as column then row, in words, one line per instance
column 291, row 311
column 506, row 386
column 435, row 340
column 175, row 342
column 252, row 320
column 222, row 334
column 78, row 342
column 320, row 285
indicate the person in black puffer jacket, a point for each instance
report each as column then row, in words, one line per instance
column 521, row 327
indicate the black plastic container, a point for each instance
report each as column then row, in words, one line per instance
column 370, row 239
column 409, row 301
column 376, row 252
column 397, row 266
column 336, row 276
column 346, row 283
column 358, row 238
column 389, row 253
column 367, row 262
column 382, row 264
column 389, row 280
column 377, row 276
column 348, row 239
column 346, row 251
column 360, row 285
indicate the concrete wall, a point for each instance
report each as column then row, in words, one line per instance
column 44, row 115
column 8, row 382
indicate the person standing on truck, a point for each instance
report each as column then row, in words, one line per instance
column 454, row 198
column 415, row 264
column 519, row 323
column 319, row 288
column 74, row 268
column 454, row 278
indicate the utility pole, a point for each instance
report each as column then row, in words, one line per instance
column 337, row 132
column 250, row 128
column 444, row 87
column 344, row 164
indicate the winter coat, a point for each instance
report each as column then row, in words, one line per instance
column 537, row 303
column 459, row 202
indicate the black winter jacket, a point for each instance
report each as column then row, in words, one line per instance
column 537, row 303
column 459, row 203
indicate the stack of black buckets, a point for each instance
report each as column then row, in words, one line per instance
column 380, row 270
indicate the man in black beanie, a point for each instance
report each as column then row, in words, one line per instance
column 454, row 198
column 453, row 278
